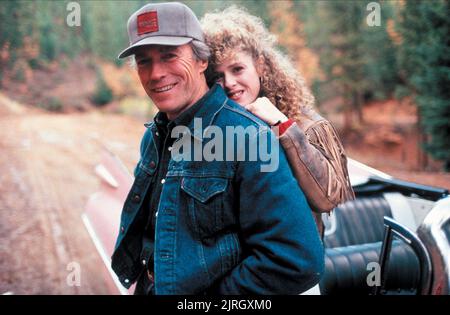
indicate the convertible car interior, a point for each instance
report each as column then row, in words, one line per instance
column 395, row 218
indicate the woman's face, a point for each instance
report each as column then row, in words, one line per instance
column 239, row 77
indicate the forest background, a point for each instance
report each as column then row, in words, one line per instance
column 379, row 70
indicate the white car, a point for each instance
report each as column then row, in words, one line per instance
column 394, row 238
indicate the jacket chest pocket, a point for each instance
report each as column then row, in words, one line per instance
column 205, row 199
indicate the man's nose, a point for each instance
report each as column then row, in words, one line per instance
column 157, row 71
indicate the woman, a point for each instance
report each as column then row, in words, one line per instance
column 256, row 75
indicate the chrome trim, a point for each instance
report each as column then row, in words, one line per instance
column 433, row 236
column 393, row 227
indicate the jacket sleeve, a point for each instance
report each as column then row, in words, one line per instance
column 319, row 164
column 283, row 253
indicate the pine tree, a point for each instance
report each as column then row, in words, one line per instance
column 425, row 60
column 358, row 61
column 343, row 55
column 381, row 55
column 289, row 28
column 16, row 24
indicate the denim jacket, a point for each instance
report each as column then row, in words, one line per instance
column 222, row 226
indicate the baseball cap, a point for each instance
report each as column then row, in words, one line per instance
column 170, row 23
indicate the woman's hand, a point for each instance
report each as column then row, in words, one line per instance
column 265, row 110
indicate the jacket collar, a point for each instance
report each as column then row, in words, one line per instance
column 212, row 103
column 206, row 108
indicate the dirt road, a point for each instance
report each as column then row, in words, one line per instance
column 46, row 175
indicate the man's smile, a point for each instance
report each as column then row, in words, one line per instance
column 164, row 88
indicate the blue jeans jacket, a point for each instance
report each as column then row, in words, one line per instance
column 223, row 227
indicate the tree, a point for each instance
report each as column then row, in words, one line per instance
column 425, row 60
column 287, row 25
column 342, row 56
column 358, row 61
column 381, row 52
column 16, row 24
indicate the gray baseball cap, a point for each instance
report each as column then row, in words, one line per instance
column 172, row 24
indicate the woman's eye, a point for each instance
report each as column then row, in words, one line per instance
column 238, row 69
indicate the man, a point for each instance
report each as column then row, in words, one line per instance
column 196, row 225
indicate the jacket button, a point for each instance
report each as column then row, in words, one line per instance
column 127, row 281
column 136, row 198
column 122, row 229
column 152, row 164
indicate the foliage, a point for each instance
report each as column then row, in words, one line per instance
column 330, row 42
column 425, row 64
column 103, row 93
column 358, row 60
column 52, row 104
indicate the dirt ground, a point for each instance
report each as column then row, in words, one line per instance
column 47, row 174
column 389, row 141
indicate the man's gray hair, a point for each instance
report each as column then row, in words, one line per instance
column 200, row 50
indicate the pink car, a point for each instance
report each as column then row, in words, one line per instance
column 394, row 238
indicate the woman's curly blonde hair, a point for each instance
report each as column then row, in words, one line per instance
column 234, row 29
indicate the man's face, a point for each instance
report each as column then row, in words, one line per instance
column 171, row 76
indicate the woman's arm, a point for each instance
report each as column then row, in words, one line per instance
column 315, row 154
column 319, row 163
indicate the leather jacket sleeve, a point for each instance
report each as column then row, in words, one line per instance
column 319, row 163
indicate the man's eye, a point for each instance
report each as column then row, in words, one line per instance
column 169, row 56
column 142, row 62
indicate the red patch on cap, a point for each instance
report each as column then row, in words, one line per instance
column 147, row 22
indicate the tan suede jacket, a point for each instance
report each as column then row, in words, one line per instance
column 318, row 161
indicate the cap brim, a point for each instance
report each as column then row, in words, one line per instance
column 155, row 40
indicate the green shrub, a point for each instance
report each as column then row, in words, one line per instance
column 34, row 63
column 52, row 104
column 48, row 43
column 103, row 93
column 19, row 71
column 118, row 62
column 19, row 75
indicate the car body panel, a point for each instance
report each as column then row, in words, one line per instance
column 103, row 210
